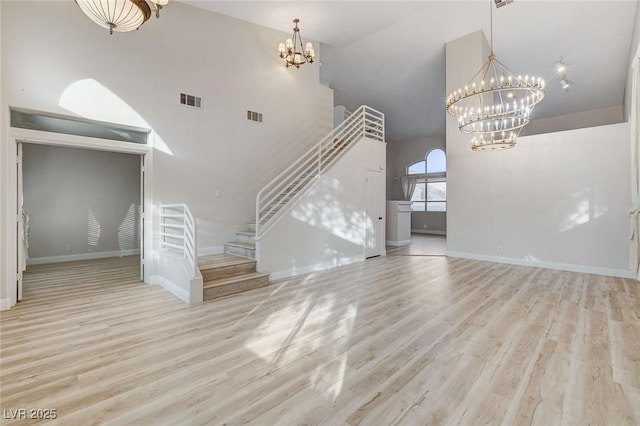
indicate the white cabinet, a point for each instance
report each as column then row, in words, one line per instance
column 398, row 223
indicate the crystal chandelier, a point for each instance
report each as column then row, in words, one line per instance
column 496, row 104
column 120, row 15
column 294, row 51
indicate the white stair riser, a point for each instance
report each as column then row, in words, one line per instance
column 245, row 238
column 240, row 251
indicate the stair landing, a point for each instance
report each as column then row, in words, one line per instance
column 226, row 274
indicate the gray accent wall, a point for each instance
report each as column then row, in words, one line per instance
column 80, row 201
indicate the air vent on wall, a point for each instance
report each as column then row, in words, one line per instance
column 500, row 3
column 254, row 116
column 191, row 100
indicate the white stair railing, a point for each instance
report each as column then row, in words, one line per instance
column 178, row 233
column 288, row 185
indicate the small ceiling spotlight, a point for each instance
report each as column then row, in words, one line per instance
column 561, row 67
column 565, row 83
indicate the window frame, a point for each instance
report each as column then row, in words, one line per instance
column 429, row 178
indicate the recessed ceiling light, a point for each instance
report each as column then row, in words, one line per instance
column 565, row 83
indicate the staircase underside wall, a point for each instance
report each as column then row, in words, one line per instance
column 325, row 228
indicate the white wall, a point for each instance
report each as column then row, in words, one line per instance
column 135, row 78
column 578, row 120
column 74, row 67
column 81, row 198
column 4, row 300
column 429, row 222
column 326, row 227
column 633, row 54
column 558, row 199
column 56, row 60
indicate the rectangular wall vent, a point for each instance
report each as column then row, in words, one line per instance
column 191, row 100
column 500, row 3
column 254, row 116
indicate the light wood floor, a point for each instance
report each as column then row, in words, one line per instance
column 395, row 340
column 422, row 245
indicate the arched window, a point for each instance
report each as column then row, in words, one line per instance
column 430, row 193
column 417, row 168
column 436, row 161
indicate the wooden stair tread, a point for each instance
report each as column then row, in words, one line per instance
column 241, row 244
column 222, row 260
column 231, row 280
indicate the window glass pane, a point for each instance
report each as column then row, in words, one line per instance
column 436, row 206
column 416, row 168
column 437, row 191
column 76, row 126
column 436, row 161
column 420, row 192
column 417, row 206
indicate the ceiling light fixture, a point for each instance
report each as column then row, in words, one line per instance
column 561, row 67
column 565, row 83
column 294, row 51
column 120, row 15
column 496, row 104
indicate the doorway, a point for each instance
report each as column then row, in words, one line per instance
column 77, row 204
column 12, row 205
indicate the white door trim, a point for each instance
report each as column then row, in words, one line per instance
column 10, row 199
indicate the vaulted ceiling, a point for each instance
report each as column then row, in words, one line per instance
column 391, row 54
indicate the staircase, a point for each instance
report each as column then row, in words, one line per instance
column 273, row 199
column 226, row 274
column 236, row 270
column 244, row 244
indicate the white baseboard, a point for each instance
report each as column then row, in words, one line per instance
column 172, row 288
column 83, row 256
column 611, row 272
column 313, row 268
column 427, row 231
column 5, row 304
column 398, row 243
column 207, row 251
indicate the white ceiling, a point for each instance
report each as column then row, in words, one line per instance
column 390, row 54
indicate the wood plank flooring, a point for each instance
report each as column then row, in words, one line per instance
column 395, row 340
column 422, row 245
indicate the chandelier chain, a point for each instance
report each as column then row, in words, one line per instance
column 491, row 24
